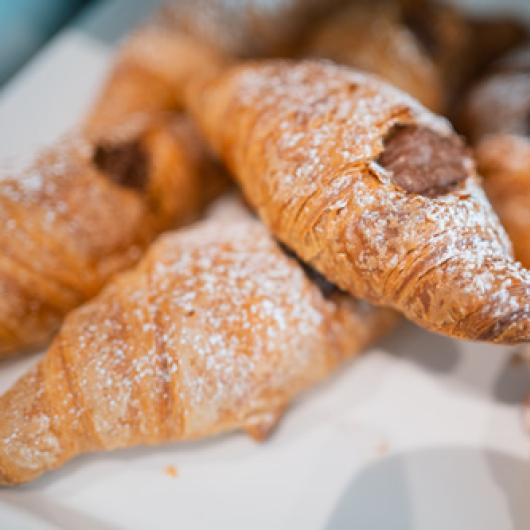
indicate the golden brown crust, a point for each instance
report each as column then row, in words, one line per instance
column 248, row 28
column 303, row 139
column 371, row 36
column 504, row 161
column 149, row 74
column 67, row 227
column 215, row 330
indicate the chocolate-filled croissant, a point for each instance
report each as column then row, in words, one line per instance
column 371, row 189
column 216, row 329
column 372, row 36
column 83, row 211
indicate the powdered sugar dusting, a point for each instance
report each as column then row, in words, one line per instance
column 316, row 131
column 66, row 227
column 227, row 318
column 216, row 327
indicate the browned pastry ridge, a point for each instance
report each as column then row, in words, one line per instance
column 371, row 189
column 148, row 75
column 81, row 212
column 215, row 330
column 371, row 36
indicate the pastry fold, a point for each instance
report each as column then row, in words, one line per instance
column 216, row 329
column 371, row 189
column 84, row 210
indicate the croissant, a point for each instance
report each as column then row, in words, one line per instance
column 83, row 211
column 500, row 103
column 248, row 28
column 216, row 329
column 149, row 74
column 371, row 189
column 504, row 161
column 371, row 36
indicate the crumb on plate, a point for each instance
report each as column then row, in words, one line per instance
column 171, row 471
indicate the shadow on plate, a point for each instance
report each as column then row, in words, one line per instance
column 53, row 513
column 508, row 382
column 513, row 382
column 437, row 489
column 432, row 352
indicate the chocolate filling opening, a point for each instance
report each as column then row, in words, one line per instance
column 326, row 287
column 126, row 163
column 422, row 161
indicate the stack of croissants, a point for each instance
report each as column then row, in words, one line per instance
column 305, row 141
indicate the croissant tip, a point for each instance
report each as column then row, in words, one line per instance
column 514, row 328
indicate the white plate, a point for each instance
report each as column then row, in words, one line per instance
column 423, row 432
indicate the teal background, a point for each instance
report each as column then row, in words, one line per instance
column 26, row 24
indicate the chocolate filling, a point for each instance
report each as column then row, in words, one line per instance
column 422, row 161
column 326, row 288
column 125, row 163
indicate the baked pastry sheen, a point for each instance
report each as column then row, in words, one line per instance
column 148, row 75
column 371, row 189
column 216, row 329
column 83, row 211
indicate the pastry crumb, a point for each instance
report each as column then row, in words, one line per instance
column 382, row 448
column 171, row 471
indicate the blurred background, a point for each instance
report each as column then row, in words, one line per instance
column 26, row 25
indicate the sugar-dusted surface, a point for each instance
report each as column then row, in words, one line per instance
column 423, row 394
column 303, row 140
column 67, row 227
column 216, row 329
column 59, row 239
